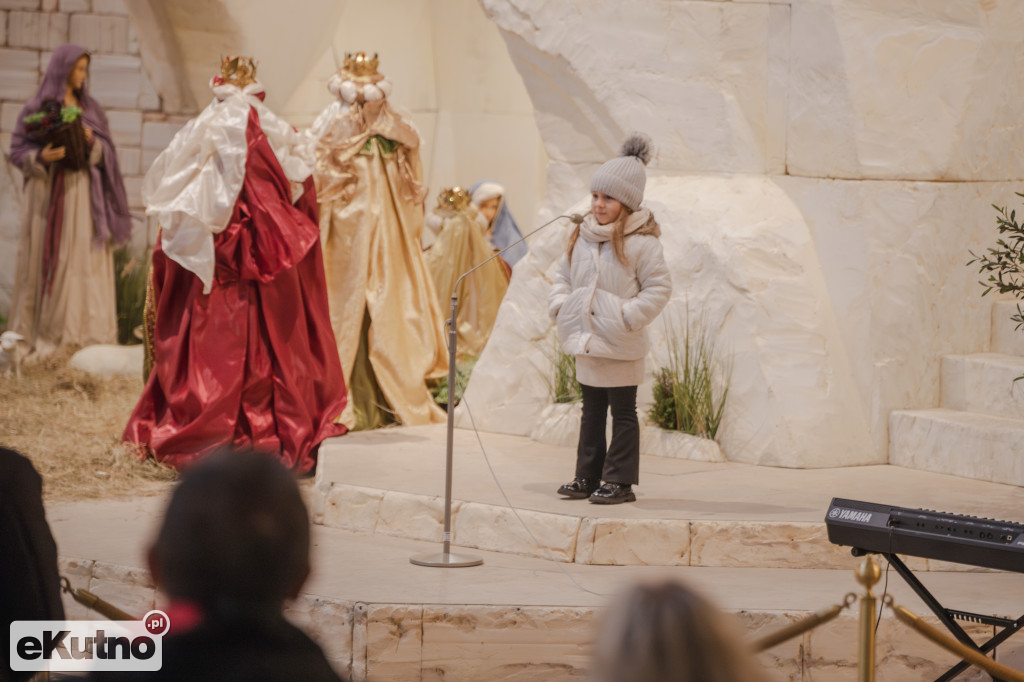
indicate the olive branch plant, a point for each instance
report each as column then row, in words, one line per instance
column 1004, row 262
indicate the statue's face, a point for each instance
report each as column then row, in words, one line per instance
column 489, row 208
column 76, row 79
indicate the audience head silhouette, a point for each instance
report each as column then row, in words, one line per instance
column 235, row 535
column 29, row 579
column 666, row 632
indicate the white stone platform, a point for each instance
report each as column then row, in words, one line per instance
column 960, row 443
column 380, row 618
column 391, row 482
column 978, row 429
column 984, row 383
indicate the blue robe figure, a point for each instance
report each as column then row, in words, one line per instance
column 489, row 199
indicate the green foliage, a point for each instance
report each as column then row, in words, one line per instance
column 387, row 147
column 684, row 392
column 70, row 113
column 565, row 388
column 663, row 410
column 1004, row 262
column 130, row 283
column 463, row 368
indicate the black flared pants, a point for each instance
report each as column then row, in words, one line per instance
column 619, row 463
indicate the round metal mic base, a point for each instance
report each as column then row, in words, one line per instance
column 443, row 560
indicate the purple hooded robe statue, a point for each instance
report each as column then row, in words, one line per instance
column 109, row 204
column 69, row 298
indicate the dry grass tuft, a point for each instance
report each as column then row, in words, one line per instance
column 69, row 423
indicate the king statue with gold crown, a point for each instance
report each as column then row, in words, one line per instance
column 384, row 311
column 242, row 349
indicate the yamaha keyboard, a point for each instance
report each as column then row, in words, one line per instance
column 877, row 528
column 871, row 528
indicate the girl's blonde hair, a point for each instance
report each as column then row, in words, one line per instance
column 618, row 235
column 666, row 632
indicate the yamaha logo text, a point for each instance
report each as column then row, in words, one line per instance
column 82, row 645
column 850, row 515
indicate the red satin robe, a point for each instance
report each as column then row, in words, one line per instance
column 254, row 362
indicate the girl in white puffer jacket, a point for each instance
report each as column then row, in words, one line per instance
column 611, row 283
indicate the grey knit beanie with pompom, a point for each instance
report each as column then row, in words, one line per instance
column 624, row 177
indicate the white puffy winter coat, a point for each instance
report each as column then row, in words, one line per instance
column 601, row 306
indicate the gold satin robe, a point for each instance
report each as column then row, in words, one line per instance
column 460, row 245
column 371, row 220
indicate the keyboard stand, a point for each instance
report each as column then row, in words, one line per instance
column 946, row 616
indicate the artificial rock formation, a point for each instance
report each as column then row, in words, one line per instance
column 834, row 296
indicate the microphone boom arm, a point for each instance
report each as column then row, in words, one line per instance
column 446, row 558
column 576, row 218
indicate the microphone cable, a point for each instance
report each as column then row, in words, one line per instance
column 508, row 502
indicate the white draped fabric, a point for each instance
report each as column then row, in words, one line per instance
column 194, row 183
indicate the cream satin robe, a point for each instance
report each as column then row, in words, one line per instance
column 371, row 220
column 461, row 245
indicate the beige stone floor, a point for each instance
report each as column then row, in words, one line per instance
column 527, row 612
column 390, row 482
column 376, row 569
column 411, row 459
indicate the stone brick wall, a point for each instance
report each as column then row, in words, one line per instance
column 29, row 31
column 366, row 641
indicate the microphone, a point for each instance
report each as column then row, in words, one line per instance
column 575, row 218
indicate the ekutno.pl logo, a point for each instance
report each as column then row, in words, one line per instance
column 82, row 645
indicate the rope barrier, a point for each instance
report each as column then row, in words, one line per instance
column 803, row 625
column 972, row 656
column 867, row 575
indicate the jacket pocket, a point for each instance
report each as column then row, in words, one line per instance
column 608, row 323
column 570, row 320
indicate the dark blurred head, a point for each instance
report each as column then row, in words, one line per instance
column 29, row 577
column 235, row 535
column 666, row 632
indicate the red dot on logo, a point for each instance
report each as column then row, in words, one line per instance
column 156, row 622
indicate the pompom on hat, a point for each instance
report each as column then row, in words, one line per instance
column 624, row 177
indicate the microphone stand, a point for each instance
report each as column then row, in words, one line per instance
column 446, row 559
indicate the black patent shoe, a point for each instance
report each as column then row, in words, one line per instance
column 613, row 493
column 579, row 489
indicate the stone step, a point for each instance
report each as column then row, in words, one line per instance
column 379, row 617
column 967, row 444
column 390, row 482
column 1006, row 338
column 584, row 539
column 984, row 383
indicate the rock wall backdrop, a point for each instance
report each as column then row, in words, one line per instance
column 824, row 167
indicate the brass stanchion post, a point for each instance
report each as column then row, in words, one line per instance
column 868, row 573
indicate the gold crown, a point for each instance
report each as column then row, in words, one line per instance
column 240, row 71
column 361, row 65
column 453, row 198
